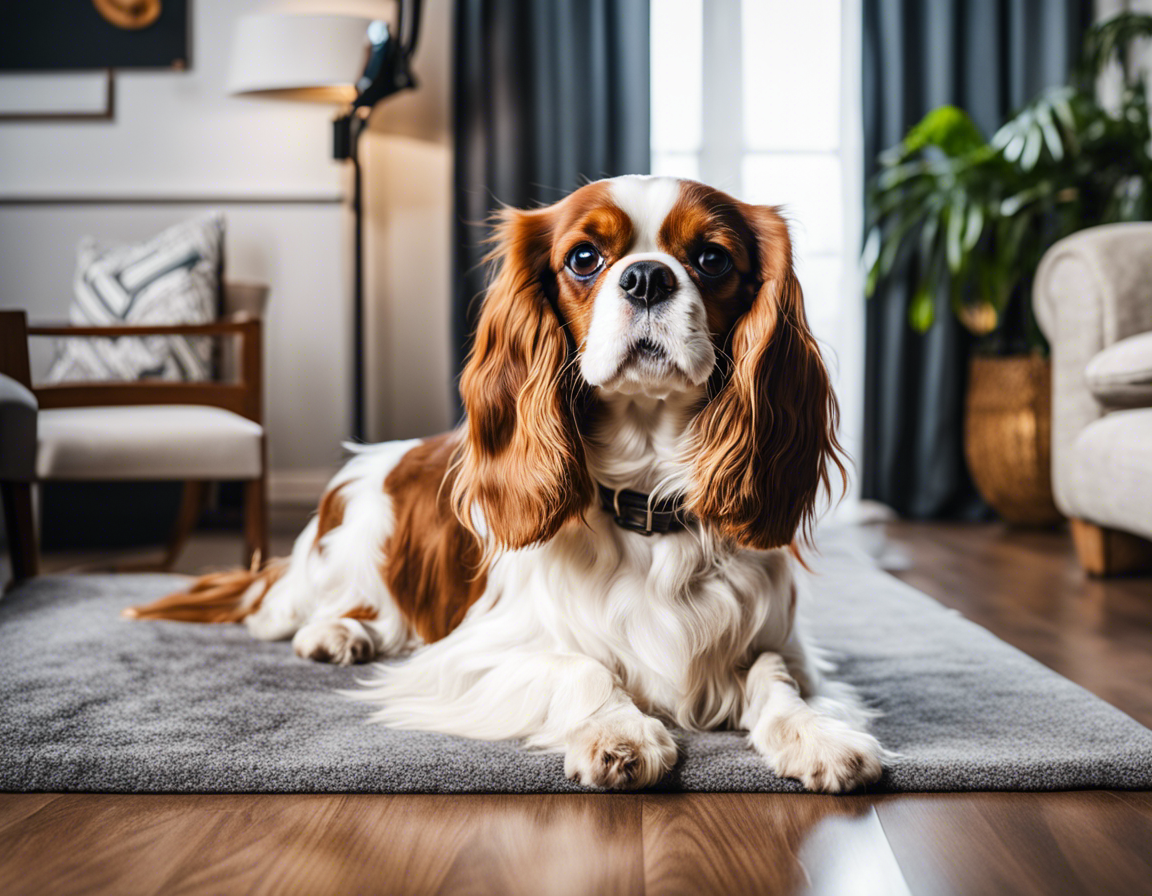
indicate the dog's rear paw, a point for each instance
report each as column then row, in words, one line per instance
column 624, row 750
column 338, row 641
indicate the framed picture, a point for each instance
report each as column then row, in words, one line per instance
column 53, row 96
column 54, row 35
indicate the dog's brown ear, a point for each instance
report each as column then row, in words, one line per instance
column 522, row 461
column 765, row 440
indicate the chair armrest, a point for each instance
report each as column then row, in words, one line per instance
column 234, row 397
column 1091, row 290
column 236, row 326
column 1120, row 376
column 244, row 397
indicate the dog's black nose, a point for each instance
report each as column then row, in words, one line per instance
column 647, row 283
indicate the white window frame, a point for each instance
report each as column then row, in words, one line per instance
column 714, row 121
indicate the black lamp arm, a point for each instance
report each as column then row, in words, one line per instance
column 408, row 40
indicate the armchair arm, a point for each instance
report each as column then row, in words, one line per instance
column 216, row 328
column 1092, row 289
column 244, row 397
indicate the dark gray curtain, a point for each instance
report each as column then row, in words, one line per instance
column 548, row 95
column 988, row 57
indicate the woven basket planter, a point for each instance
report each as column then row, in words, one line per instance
column 1008, row 436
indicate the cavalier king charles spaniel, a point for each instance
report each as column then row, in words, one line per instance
column 610, row 542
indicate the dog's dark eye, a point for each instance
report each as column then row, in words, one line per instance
column 584, row 260
column 713, row 261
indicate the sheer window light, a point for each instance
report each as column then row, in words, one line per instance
column 783, row 120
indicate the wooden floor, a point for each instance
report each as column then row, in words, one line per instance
column 1023, row 586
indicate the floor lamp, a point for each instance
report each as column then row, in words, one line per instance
column 348, row 60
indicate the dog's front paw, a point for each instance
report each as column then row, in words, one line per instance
column 339, row 641
column 823, row 753
column 623, row 750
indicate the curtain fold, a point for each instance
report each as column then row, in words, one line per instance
column 549, row 94
column 989, row 57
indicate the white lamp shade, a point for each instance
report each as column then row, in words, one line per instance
column 308, row 57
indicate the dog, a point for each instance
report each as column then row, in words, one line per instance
column 612, row 539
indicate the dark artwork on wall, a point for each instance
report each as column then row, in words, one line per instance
column 54, row 35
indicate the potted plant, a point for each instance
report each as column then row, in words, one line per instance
column 971, row 217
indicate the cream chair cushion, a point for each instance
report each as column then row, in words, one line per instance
column 1121, row 375
column 148, row 442
column 1111, row 475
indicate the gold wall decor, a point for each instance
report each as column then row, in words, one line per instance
column 129, row 14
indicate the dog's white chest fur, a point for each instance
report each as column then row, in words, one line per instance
column 672, row 615
column 667, row 613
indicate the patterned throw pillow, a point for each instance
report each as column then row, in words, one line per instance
column 173, row 278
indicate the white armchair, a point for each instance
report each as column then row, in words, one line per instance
column 1093, row 300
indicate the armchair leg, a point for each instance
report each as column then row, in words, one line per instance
column 1110, row 552
column 191, row 503
column 21, row 529
column 256, row 519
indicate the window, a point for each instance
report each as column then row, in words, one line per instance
column 760, row 98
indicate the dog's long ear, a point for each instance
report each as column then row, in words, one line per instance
column 765, row 440
column 521, row 462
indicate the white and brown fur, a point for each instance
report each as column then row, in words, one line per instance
column 484, row 557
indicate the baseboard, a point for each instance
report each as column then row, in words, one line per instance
column 297, row 488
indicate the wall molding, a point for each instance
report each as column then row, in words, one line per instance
column 178, row 199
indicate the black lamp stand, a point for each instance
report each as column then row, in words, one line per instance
column 346, row 142
column 387, row 71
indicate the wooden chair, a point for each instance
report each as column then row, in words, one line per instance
column 195, row 432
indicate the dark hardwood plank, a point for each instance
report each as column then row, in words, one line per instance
column 548, row 844
column 95, row 843
column 1140, row 800
column 17, row 807
column 321, row 844
column 663, row 844
column 764, row 843
column 1067, row 843
column 265, row 843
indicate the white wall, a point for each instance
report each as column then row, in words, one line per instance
column 408, row 218
column 408, row 320
column 179, row 135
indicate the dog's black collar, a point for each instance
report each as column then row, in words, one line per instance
column 637, row 512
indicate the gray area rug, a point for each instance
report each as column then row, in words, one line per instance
column 90, row 701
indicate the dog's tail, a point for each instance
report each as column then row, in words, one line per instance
column 218, row 597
